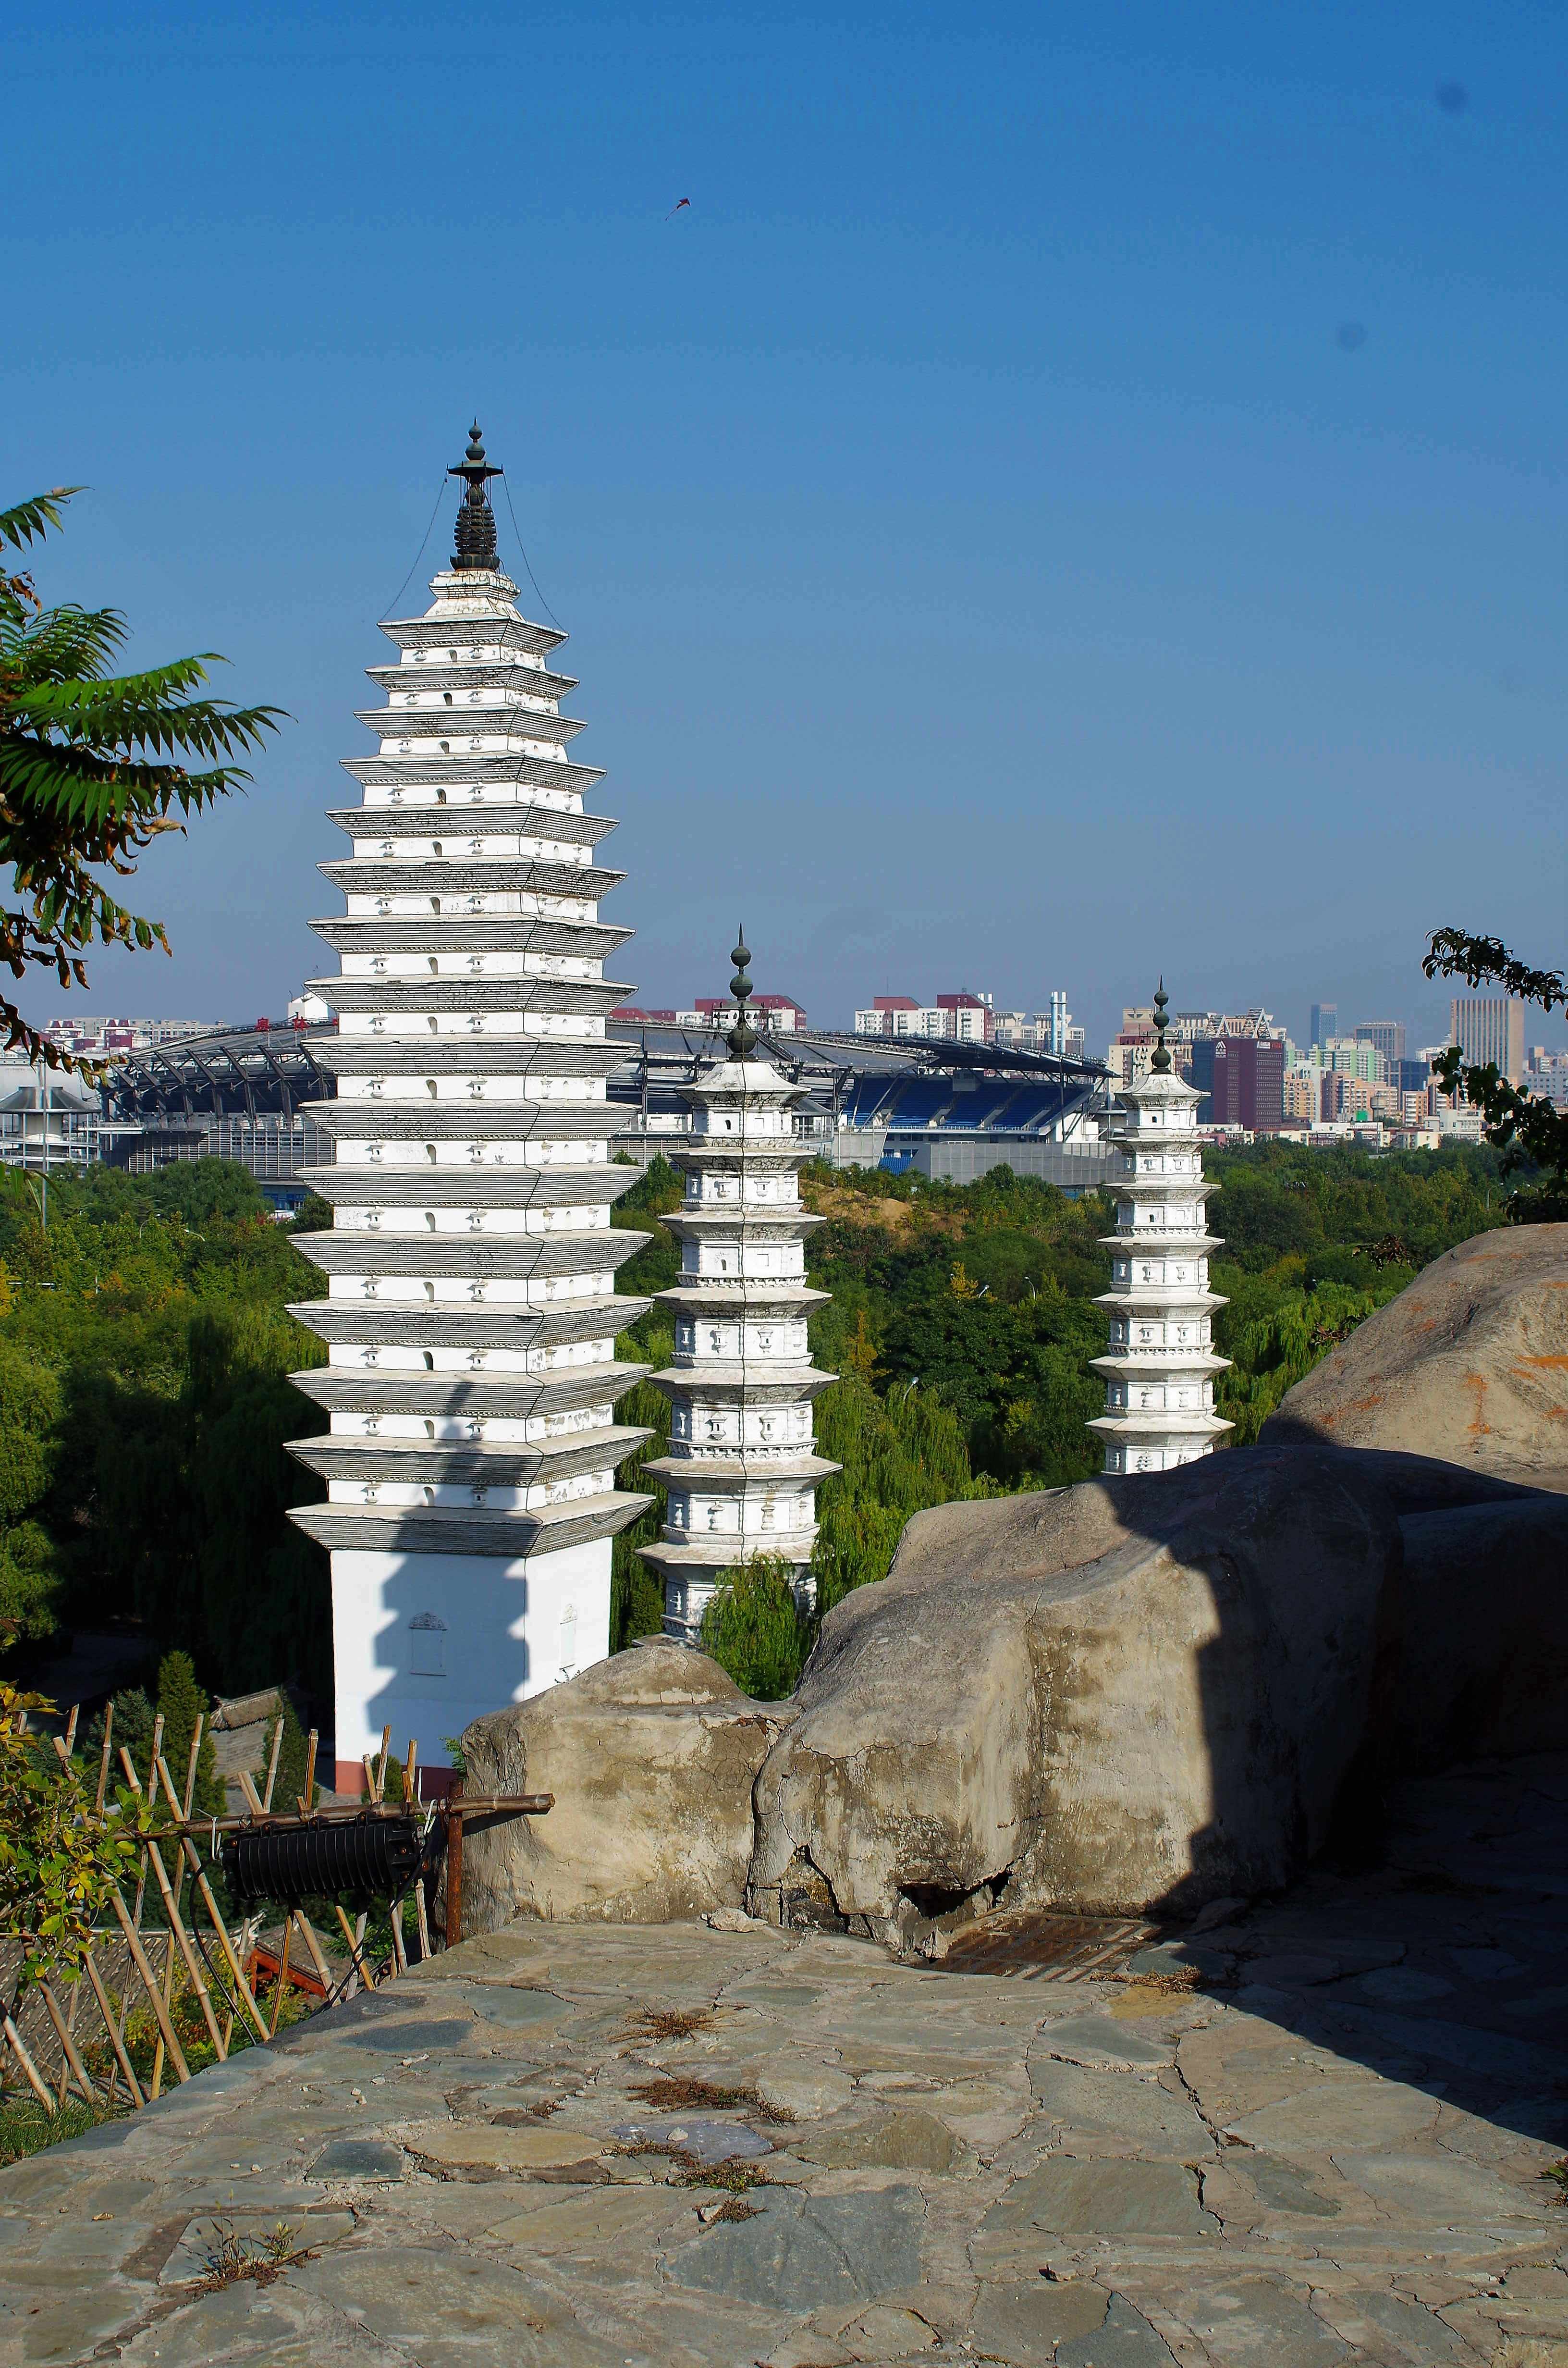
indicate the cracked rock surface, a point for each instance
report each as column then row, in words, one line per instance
column 633, row 2146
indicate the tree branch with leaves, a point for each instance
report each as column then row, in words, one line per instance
column 93, row 767
column 1528, row 1130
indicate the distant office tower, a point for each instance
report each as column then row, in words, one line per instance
column 1242, row 1080
column 1388, row 1035
column 1326, row 1021
column 1490, row 1027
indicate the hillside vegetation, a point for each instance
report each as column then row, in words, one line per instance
column 146, row 1346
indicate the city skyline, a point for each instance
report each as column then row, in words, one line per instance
column 1010, row 354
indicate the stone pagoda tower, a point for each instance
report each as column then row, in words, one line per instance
column 742, row 1469
column 471, row 1314
column 1161, row 1364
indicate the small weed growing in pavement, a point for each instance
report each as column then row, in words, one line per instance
column 679, row 2095
column 232, row 2257
column 671, row 2023
column 1558, row 2173
column 736, row 2208
column 733, row 2178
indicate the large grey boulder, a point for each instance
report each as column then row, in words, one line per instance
column 1136, row 1693
column 1482, row 1665
column 1469, row 1364
column 650, row 1756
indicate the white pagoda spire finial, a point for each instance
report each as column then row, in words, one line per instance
column 1160, row 1365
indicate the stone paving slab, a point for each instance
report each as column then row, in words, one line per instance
column 1299, row 2161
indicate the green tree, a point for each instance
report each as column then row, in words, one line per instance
column 181, row 1702
column 59, row 1857
column 93, row 767
column 289, row 1785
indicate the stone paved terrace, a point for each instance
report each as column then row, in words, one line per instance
column 1335, row 2151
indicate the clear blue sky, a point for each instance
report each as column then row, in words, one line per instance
column 1079, row 490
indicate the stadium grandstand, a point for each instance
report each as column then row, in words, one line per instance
column 939, row 1107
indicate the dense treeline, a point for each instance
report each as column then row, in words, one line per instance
column 144, row 1402
column 145, row 1346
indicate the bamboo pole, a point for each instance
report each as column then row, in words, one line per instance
column 317, row 1955
column 71, row 1728
column 411, row 1775
column 399, row 1954
column 281, row 1984
column 204, row 1892
column 104, row 1758
column 149, row 1980
column 307, row 1802
column 422, row 1918
column 31, row 2070
column 272, row 1763
column 67, row 2045
column 106, row 2009
column 354, row 1936
column 176, row 1928
column 192, row 1763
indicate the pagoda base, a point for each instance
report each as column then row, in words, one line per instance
column 1130, row 1447
column 426, row 1643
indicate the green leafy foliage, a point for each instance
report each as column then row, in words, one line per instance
column 1530, row 1132
column 59, row 1857
column 289, row 1785
column 755, row 1629
column 93, row 767
column 144, row 1406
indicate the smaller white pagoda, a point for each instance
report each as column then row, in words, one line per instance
column 1161, row 1364
column 741, row 1471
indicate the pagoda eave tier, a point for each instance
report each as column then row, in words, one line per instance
column 480, row 1463
column 470, row 933
column 518, row 673
column 778, row 1156
column 469, row 1055
column 450, row 875
column 1154, row 1305
column 512, row 820
column 508, row 1397
column 475, row 718
column 451, row 1186
column 356, row 1323
column 487, row 1257
column 1160, row 1423
column 763, row 1383
column 719, row 1552
column 525, row 1256
column 455, row 1530
column 472, row 770
column 749, row 1298
column 441, row 632
column 517, row 993
column 1154, row 1364
column 756, row 1222
column 748, row 1469
column 477, row 1121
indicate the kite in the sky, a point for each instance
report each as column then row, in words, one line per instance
column 676, row 207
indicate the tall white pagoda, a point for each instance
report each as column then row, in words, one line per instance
column 471, row 1315
column 741, row 1471
column 1160, row 1366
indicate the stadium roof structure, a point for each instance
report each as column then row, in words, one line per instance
column 925, row 1084
column 228, row 1073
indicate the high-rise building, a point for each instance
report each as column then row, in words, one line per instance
column 1490, row 1027
column 1326, row 1021
column 471, row 1316
column 1241, row 1081
column 1388, row 1035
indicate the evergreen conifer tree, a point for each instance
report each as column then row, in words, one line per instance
column 181, row 1702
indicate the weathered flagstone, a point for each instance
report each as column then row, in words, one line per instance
column 1223, row 2177
column 799, row 2252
